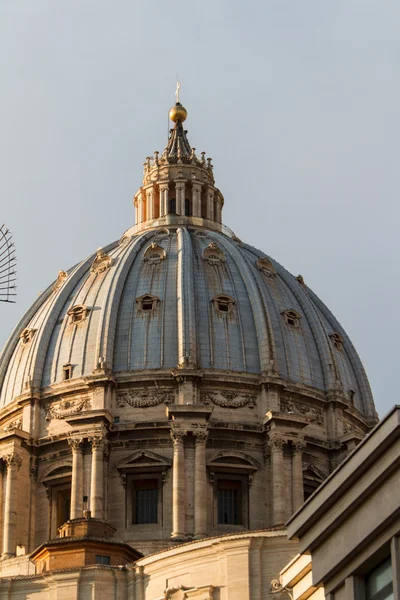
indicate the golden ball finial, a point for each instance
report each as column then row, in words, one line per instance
column 178, row 113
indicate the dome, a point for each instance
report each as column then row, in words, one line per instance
column 176, row 384
column 213, row 304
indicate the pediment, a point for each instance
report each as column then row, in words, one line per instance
column 234, row 459
column 312, row 473
column 144, row 458
column 57, row 471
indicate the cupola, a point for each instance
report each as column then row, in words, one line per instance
column 178, row 185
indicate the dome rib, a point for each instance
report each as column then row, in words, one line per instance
column 187, row 344
column 105, row 339
column 260, row 315
column 309, row 312
column 355, row 361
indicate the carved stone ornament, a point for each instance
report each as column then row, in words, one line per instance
column 265, row 266
column 75, row 443
column 276, row 443
column 228, row 399
column 213, row 255
column 101, row 263
column 350, row 428
column 124, row 241
column 97, row 442
column 201, row 435
column 178, row 435
column 62, row 276
column 154, row 255
column 295, row 407
column 299, row 446
column 78, row 313
column 66, row 408
column 27, row 335
column 17, row 424
column 12, row 460
column 145, row 398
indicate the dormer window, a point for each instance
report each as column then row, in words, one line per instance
column 223, row 304
column 147, row 303
column 27, row 335
column 337, row 340
column 67, row 372
column 292, row 318
column 78, row 313
column 266, row 267
column 154, row 254
column 213, row 255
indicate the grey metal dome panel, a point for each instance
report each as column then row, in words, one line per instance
column 185, row 328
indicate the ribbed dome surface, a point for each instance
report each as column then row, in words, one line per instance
column 183, row 271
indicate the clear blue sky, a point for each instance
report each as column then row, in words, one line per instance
column 296, row 101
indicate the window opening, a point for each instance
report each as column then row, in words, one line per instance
column 78, row 313
column 172, row 206
column 292, row 318
column 188, row 208
column 379, row 582
column 147, row 303
column 229, row 500
column 101, row 559
column 63, row 506
column 145, row 501
column 223, row 304
column 67, row 372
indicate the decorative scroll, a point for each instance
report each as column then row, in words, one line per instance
column 66, row 408
column 228, row 399
column 313, row 415
column 62, row 276
column 145, row 398
column 101, row 263
column 27, row 335
column 17, row 424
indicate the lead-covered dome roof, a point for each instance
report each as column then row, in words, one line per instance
column 180, row 291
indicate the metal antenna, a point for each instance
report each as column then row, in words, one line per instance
column 8, row 262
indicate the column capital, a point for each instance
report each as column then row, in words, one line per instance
column 12, row 460
column 75, row 444
column 97, row 442
column 178, row 435
column 276, row 443
column 201, row 435
column 299, row 446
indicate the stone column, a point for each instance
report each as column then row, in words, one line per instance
column 178, row 486
column 196, row 203
column 140, row 207
column 97, row 478
column 150, row 203
column 210, row 205
column 13, row 463
column 77, row 478
column 218, row 211
column 297, row 470
column 278, row 481
column 200, row 485
column 163, row 187
column 180, row 197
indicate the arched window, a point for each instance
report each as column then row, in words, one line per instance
column 172, row 206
